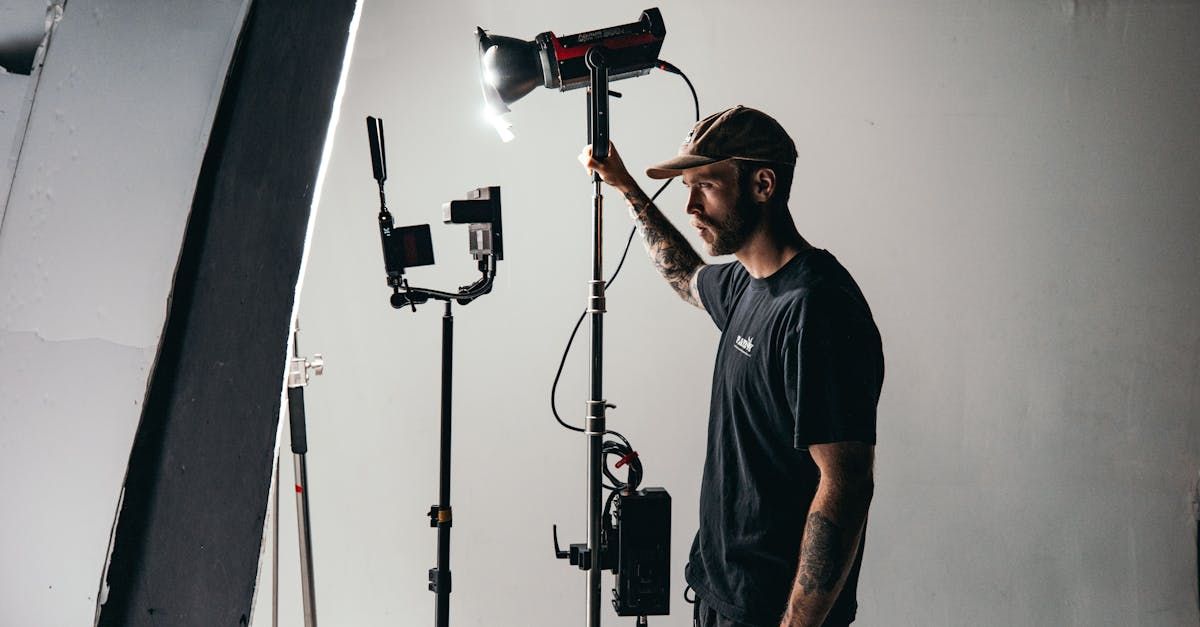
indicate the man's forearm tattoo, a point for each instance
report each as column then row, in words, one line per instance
column 823, row 554
column 673, row 256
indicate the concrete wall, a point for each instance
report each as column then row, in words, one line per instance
column 1014, row 186
column 88, row 248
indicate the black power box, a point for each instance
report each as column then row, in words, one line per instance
column 643, row 553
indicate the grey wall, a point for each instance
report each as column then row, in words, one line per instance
column 88, row 247
column 1013, row 184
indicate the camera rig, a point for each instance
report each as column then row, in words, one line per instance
column 410, row 246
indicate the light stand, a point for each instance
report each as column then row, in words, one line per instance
column 510, row 69
column 441, row 515
column 410, row 246
column 298, row 376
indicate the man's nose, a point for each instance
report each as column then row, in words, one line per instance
column 694, row 204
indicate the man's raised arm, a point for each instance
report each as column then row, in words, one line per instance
column 671, row 253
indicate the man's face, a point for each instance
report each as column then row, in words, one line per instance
column 723, row 214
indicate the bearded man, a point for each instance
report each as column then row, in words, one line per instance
column 787, row 476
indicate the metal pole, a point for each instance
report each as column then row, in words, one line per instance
column 595, row 425
column 300, row 468
column 441, row 515
column 297, row 379
column 275, row 551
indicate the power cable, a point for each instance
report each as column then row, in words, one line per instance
column 666, row 67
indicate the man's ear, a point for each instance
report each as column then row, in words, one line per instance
column 763, row 185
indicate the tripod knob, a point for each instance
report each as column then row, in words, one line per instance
column 317, row 364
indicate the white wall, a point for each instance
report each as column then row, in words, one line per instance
column 1014, row 186
column 88, row 249
column 24, row 26
column 13, row 90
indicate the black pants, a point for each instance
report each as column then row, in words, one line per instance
column 704, row 615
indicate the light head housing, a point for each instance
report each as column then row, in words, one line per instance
column 510, row 68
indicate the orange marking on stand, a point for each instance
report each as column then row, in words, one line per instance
column 299, row 489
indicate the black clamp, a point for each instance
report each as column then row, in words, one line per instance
column 439, row 581
column 596, row 300
column 439, row 517
column 595, row 421
column 577, row 554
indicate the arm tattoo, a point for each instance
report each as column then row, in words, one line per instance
column 823, row 554
column 674, row 258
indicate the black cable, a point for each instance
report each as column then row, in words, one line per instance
column 667, row 67
column 562, row 362
column 628, row 457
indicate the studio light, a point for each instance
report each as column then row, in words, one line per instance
column 637, row 547
column 510, row 68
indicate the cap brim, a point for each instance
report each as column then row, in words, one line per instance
column 676, row 166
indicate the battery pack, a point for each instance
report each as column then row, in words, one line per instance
column 643, row 543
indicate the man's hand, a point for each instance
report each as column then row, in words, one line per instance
column 612, row 170
column 673, row 257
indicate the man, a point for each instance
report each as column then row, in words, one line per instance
column 788, row 471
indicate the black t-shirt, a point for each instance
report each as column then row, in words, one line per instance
column 799, row 363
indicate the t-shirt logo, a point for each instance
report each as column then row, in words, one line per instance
column 745, row 345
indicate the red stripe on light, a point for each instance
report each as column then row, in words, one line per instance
column 563, row 53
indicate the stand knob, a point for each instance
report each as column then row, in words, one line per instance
column 298, row 368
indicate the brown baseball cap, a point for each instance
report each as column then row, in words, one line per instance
column 737, row 133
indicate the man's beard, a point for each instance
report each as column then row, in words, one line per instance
column 730, row 235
